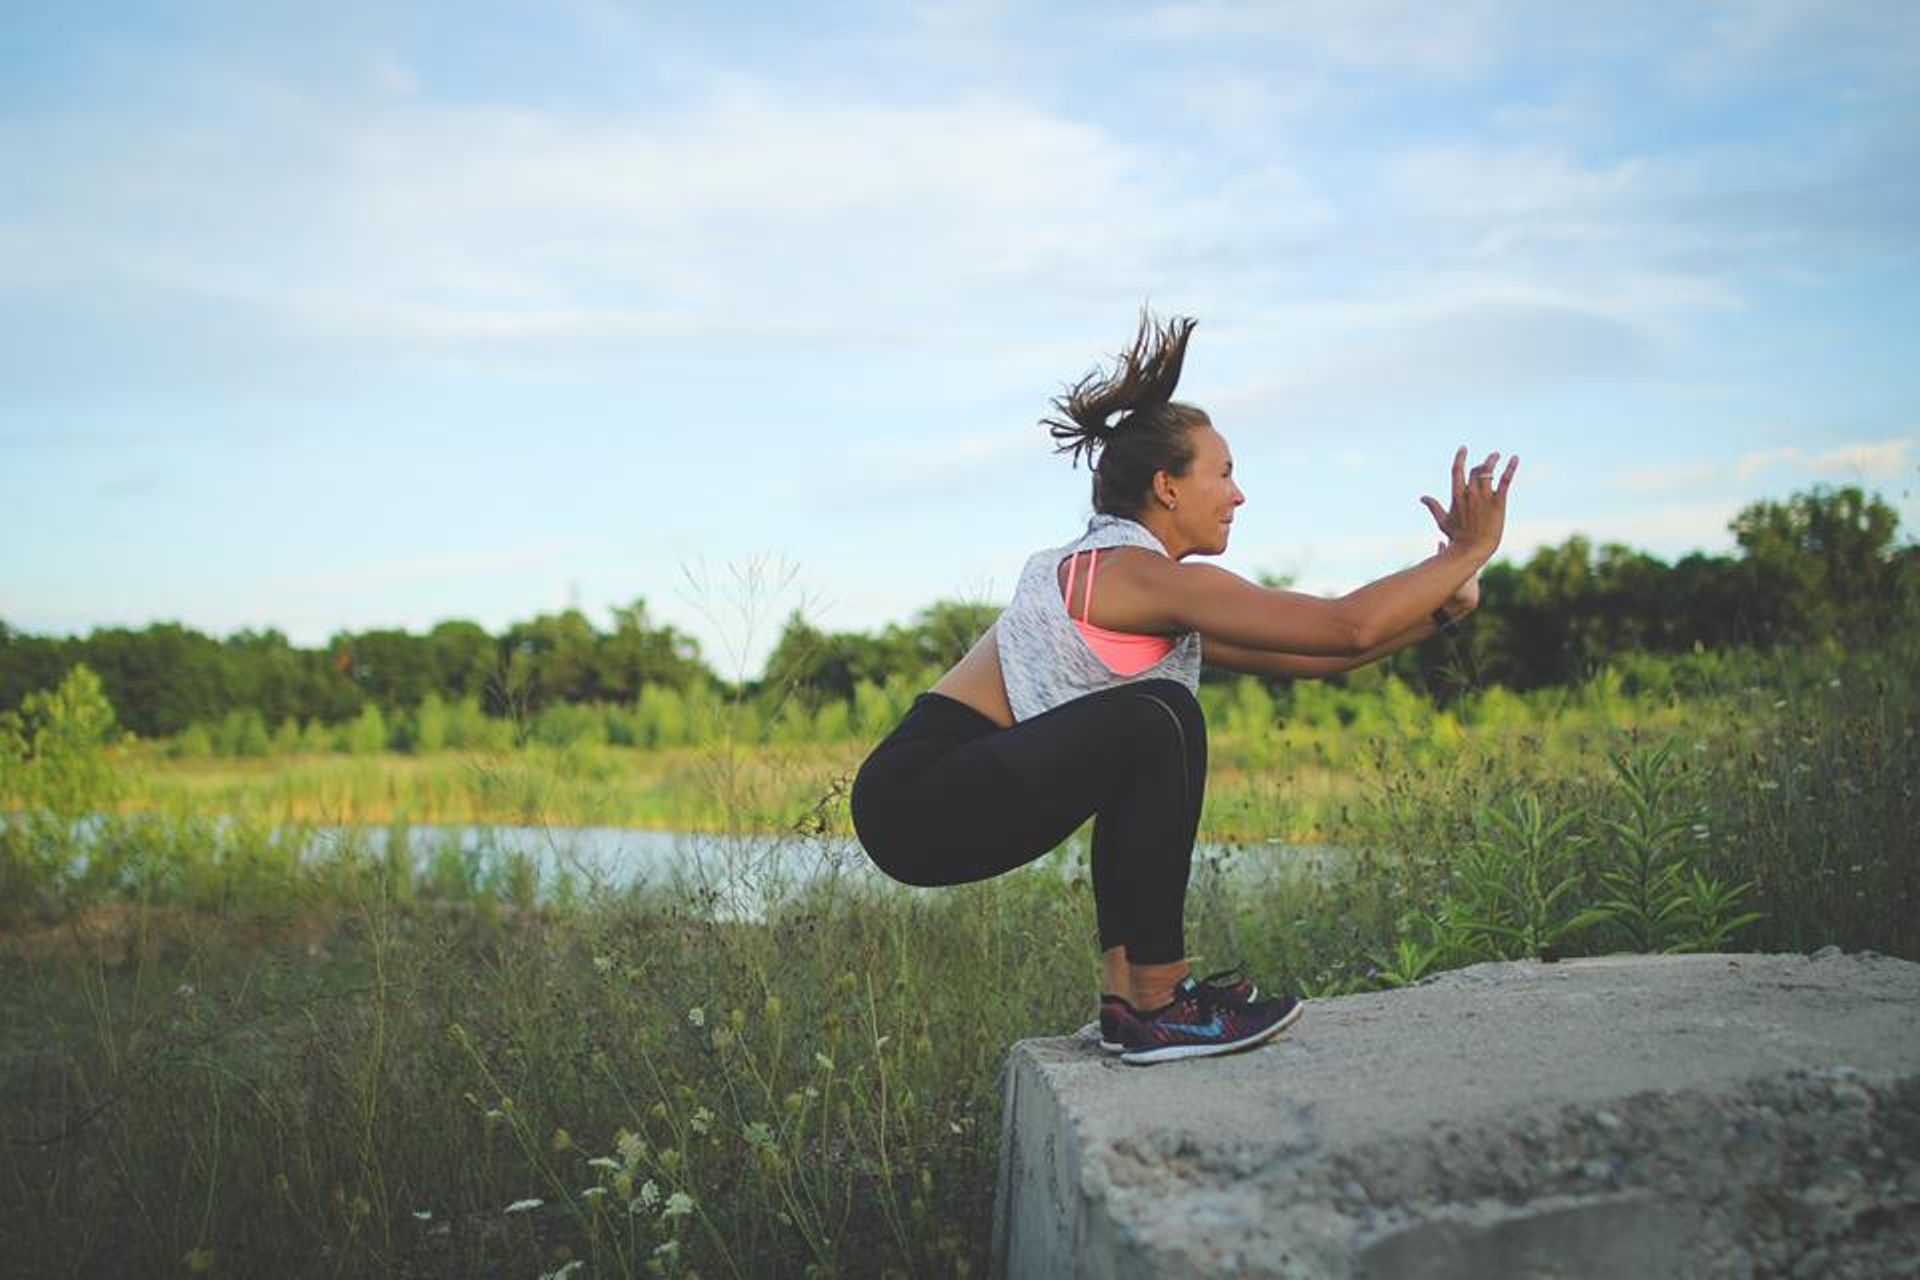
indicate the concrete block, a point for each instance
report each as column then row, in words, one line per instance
column 1617, row 1116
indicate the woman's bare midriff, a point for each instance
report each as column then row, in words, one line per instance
column 976, row 681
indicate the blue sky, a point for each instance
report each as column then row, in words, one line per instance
column 377, row 315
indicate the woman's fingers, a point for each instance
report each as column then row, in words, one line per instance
column 1506, row 477
column 1459, row 474
column 1439, row 513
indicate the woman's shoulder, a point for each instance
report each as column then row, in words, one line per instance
column 1105, row 531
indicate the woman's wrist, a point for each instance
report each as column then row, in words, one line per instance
column 1472, row 553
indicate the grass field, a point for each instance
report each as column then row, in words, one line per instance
column 221, row 1058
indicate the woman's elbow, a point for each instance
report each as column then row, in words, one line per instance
column 1358, row 636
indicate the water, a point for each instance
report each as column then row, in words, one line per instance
column 729, row 876
column 745, row 871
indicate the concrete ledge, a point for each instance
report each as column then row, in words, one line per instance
column 1618, row 1116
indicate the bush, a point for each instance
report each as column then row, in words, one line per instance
column 366, row 734
column 242, row 732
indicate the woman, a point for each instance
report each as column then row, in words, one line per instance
column 1079, row 700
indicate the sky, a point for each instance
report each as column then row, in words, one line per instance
column 332, row 317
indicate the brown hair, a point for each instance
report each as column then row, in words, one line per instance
column 1130, row 418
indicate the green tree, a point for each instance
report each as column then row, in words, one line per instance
column 638, row 653
column 1822, row 563
column 819, row 666
column 161, row 679
column 30, row 662
column 553, row 658
column 390, row 667
column 56, row 755
column 466, row 660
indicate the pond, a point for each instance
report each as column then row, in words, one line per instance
column 733, row 875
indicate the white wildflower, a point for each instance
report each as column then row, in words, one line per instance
column 702, row 1120
column 631, row 1146
column 759, row 1135
column 523, row 1206
column 424, row 1215
column 603, row 1162
column 649, row 1193
column 697, row 1016
column 669, row 1250
column 823, row 1061
column 679, row 1204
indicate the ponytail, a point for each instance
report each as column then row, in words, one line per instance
column 1128, row 420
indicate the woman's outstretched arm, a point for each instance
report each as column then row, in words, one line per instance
column 1262, row 662
column 1154, row 595
column 1300, row 666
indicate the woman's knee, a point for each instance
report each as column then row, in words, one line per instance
column 1178, row 699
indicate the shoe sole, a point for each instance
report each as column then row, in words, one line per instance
column 1173, row 1052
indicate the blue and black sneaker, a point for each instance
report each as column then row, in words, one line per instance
column 1117, row 1011
column 1198, row 1024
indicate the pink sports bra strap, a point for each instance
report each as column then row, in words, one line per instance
column 1086, row 594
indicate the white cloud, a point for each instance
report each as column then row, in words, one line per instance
column 1749, row 465
column 1480, row 181
column 1867, row 43
column 1457, row 40
column 1861, row 460
column 750, row 217
column 432, row 567
column 1665, row 529
column 1871, row 460
column 1440, row 348
column 1670, row 478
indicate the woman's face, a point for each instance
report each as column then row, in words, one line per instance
column 1203, row 498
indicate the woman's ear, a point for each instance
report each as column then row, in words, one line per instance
column 1163, row 490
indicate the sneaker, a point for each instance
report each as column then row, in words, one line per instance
column 1117, row 1011
column 1239, row 991
column 1116, row 1014
column 1197, row 1025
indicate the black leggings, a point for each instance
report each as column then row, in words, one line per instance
column 951, row 797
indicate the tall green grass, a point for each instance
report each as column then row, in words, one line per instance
column 221, row 1057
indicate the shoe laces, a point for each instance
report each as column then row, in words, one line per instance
column 1215, row 979
column 1204, row 996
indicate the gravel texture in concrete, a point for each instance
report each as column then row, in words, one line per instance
column 1616, row 1116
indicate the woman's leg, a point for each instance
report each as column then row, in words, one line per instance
column 1143, row 838
column 947, row 800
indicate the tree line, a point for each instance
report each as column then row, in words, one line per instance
column 1822, row 566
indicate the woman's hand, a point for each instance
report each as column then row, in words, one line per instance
column 1477, row 517
column 1467, row 598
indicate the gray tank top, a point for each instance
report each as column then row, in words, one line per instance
column 1042, row 657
